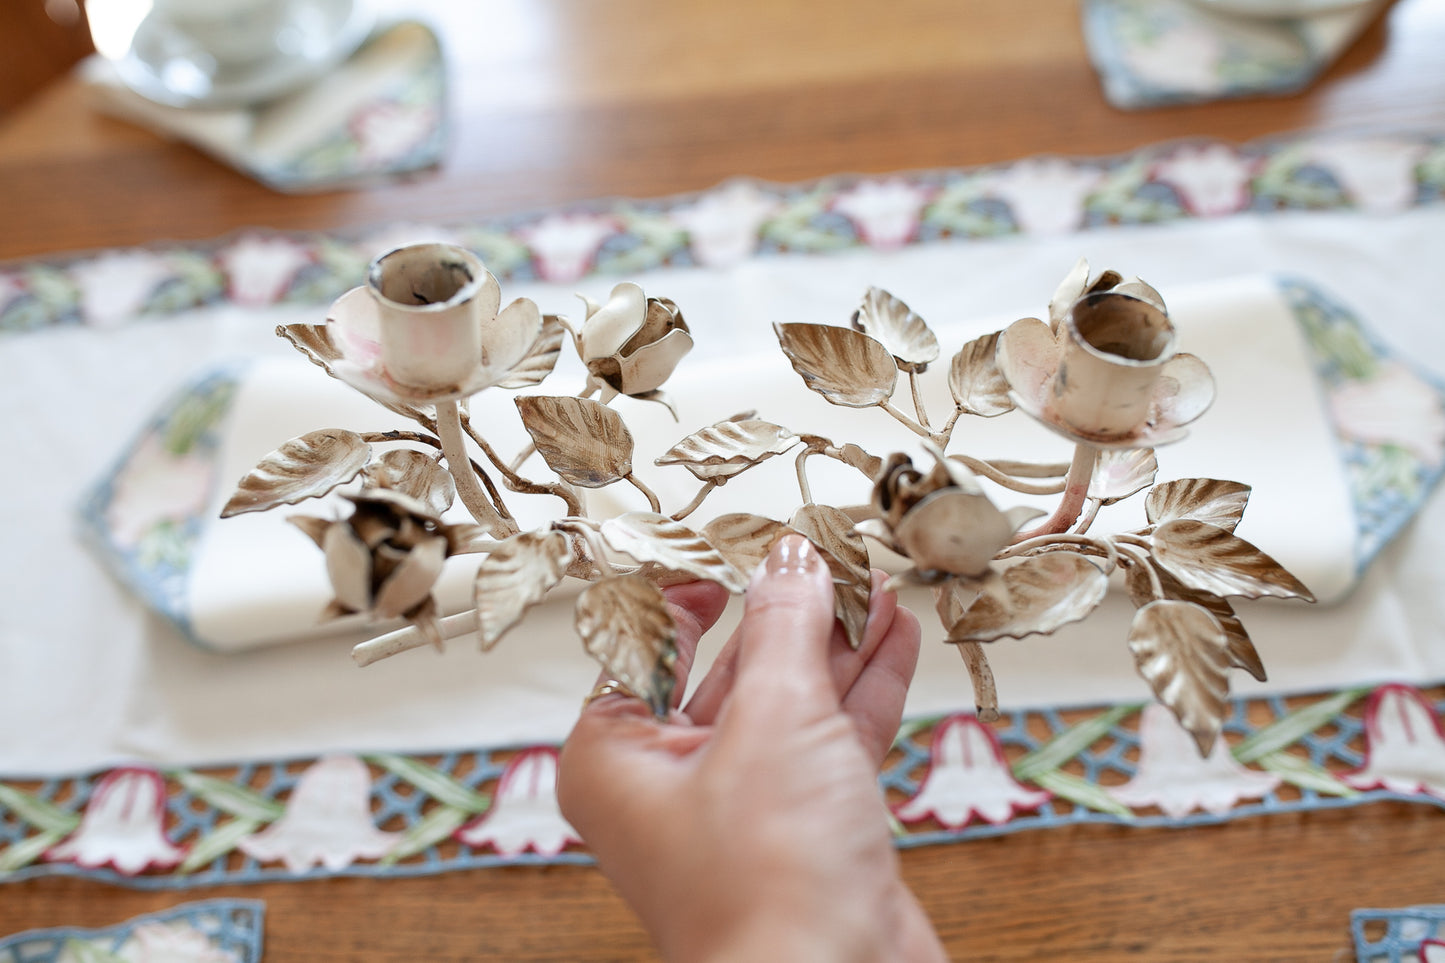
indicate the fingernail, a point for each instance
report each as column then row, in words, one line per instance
column 793, row 555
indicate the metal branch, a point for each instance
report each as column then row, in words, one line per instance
column 407, row 638
column 913, row 426
column 469, row 488
column 1136, row 557
column 1076, row 489
column 801, row 466
column 416, row 436
column 515, row 481
column 980, row 467
column 1091, row 512
column 918, row 400
column 1032, row 546
column 985, row 692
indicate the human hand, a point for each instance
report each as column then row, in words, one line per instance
column 749, row 825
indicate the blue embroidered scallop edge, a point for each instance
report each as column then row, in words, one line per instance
column 1105, row 758
column 234, row 925
column 1405, row 930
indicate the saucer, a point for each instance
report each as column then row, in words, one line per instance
column 165, row 65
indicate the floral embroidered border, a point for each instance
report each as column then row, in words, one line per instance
column 208, row 931
column 1408, row 935
column 745, row 218
column 946, row 779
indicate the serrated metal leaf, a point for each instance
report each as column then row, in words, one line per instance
column 1210, row 559
column 1179, row 649
column 1038, row 595
column 307, row 466
column 625, row 625
column 846, row 367
column 1210, row 500
column 898, row 328
column 831, row 530
column 584, row 442
column 1120, row 472
column 516, row 575
column 978, row 387
column 541, row 359
column 1242, row 653
column 723, row 450
column 649, row 537
column 744, row 539
column 413, row 473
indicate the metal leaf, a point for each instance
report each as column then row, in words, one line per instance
column 898, row 328
column 304, row 467
column 541, row 359
column 845, row 366
column 1211, row 500
column 649, row 537
column 514, row 576
column 413, row 473
column 1211, row 559
column 1120, row 472
column 723, row 450
column 744, row 539
column 314, row 341
column 1179, row 649
column 1038, row 595
column 625, row 625
column 584, row 442
column 1242, row 653
column 831, row 530
column 977, row 385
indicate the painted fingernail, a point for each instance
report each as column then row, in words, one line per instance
column 793, row 555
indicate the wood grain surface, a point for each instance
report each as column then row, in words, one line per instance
column 557, row 101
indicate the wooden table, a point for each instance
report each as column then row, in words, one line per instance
column 561, row 100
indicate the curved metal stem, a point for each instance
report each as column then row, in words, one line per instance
column 1136, row 557
column 986, row 469
column 801, row 465
column 1091, row 512
column 651, row 495
column 1102, row 545
column 696, row 502
column 515, row 481
column 937, row 438
column 469, row 488
column 918, row 400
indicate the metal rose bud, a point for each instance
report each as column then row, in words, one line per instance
column 385, row 558
column 942, row 521
column 632, row 343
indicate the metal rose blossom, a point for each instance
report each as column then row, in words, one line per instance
column 632, row 343
column 385, row 557
column 428, row 326
column 942, row 521
column 427, row 331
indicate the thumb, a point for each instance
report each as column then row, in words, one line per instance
column 785, row 633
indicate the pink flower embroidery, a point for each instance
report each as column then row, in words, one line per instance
column 1211, row 180
column 1404, row 744
column 114, row 287
column 155, row 486
column 10, row 289
column 1393, row 407
column 1173, row 777
column 1378, row 175
column 395, row 236
column 968, row 776
column 563, row 245
column 1184, row 59
column 524, row 814
column 1046, row 194
column 123, row 826
column 327, row 820
column 260, row 269
column 175, row 942
column 723, row 224
column 885, row 213
column 387, row 132
column 1432, row 951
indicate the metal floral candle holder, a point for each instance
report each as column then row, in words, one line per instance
column 428, row 330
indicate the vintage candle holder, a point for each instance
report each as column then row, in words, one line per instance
column 428, row 330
